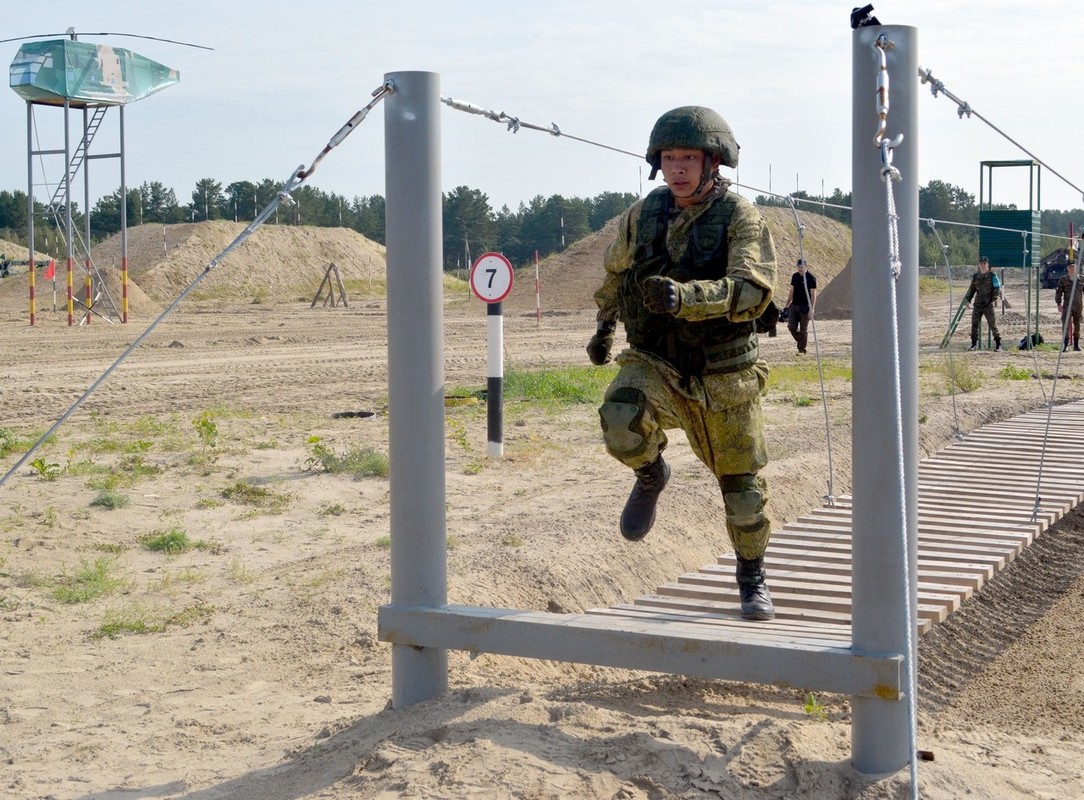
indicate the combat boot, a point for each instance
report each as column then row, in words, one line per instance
column 1076, row 346
column 1065, row 346
column 756, row 601
column 997, row 344
column 639, row 513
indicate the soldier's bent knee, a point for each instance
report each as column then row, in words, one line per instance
column 621, row 416
column 743, row 496
column 745, row 509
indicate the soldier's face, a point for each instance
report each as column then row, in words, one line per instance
column 983, row 266
column 682, row 170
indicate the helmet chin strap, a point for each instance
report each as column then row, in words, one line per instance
column 708, row 174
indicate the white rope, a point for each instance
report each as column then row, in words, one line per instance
column 956, row 432
column 889, row 174
column 829, row 498
column 1054, row 388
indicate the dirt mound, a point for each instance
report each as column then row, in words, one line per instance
column 568, row 280
column 836, row 300
column 276, row 262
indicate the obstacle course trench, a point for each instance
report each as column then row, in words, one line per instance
column 976, row 512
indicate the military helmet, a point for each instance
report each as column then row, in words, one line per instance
column 692, row 128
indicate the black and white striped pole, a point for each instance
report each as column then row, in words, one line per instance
column 491, row 281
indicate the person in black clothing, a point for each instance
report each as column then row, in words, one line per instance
column 801, row 300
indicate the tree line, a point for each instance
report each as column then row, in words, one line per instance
column 943, row 203
column 470, row 225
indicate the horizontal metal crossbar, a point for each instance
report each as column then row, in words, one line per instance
column 656, row 643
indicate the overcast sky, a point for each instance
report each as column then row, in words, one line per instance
column 284, row 76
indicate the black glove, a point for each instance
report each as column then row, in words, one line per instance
column 598, row 349
column 661, row 295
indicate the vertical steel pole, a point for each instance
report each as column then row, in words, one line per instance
column 124, row 225
column 415, row 371
column 85, row 145
column 68, row 209
column 884, row 516
column 30, row 204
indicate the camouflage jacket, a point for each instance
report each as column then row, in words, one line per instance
column 750, row 260
column 1065, row 289
column 984, row 288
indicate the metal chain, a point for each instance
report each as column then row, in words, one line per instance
column 515, row 123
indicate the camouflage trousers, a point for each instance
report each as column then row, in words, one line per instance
column 1072, row 330
column 721, row 416
column 979, row 313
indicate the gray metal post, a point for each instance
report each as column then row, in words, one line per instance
column 124, row 224
column 884, row 518
column 30, row 185
column 68, row 232
column 415, row 371
column 86, row 209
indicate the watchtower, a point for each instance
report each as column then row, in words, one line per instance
column 72, row 75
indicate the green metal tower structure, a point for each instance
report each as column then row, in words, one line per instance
column 1011, row 238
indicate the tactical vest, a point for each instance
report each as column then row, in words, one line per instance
column 717, row 344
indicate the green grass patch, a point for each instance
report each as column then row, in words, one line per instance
column 171, row 542
column 256, row 496
column 960, row 376
column 931, row 285
column 86, row 467
column 11, row 441
column 137, row 621
column 361, row 462
column 562, row 386
column 89, row 581
column 788, row 377
column 1011, row 372
column 119, row 623
column 110, row 499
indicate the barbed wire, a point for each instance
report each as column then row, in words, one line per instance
column 963, row 108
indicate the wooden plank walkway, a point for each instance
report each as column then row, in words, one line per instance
column 976, row 513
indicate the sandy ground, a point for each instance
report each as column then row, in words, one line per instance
column 248, row 666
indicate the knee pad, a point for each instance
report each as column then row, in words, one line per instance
column 745, row 509
column 621, row 416
column 746, row 525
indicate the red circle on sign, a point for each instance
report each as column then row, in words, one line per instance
column 491, row 277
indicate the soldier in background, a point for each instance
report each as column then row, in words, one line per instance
column 801, row 302
column 691, row 269
column 1069, row 296
column 985, row 289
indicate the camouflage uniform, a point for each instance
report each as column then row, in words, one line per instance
column 985, row 289
column 714, row 399
column 1062, row 295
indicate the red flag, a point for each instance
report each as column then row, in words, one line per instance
column 50, row 271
